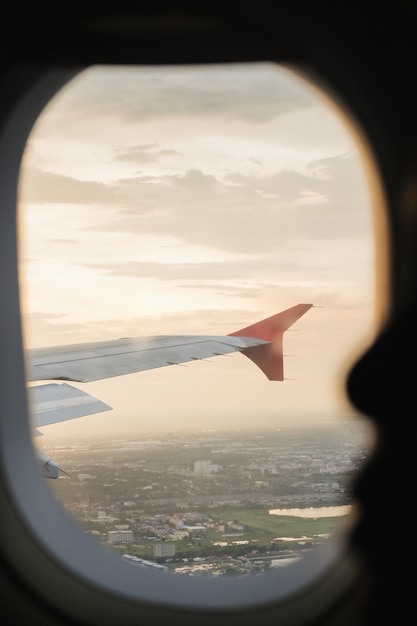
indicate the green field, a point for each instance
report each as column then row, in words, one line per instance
column 261, row 532
column 258, row 523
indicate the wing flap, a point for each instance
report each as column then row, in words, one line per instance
column 56, row 402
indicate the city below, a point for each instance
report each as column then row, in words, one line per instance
column 213, row 503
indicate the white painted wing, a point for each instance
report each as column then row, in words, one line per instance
column 95, row 361
column 56, row 402
column 261, row 342
column 50, row 403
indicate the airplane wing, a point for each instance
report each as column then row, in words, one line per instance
column 55, row 402
column 261, row 342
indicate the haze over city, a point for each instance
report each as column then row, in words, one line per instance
column 198, row 200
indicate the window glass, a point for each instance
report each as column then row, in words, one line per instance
column 198, row 201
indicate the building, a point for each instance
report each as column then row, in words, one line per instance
column 120, row 536
column 206, row 467
column 163, row 550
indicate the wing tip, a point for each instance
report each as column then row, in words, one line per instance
column 270, row 328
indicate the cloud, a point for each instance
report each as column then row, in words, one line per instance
column 254, row 93
column 44, row 329
column 239, row 213
column 146, row 153
column 251, row 269
column 244, row 213
column 196, row 200
column 38, row 187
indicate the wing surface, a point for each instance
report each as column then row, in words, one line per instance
column 95, row 361
column 56, row 402
column 50, row 403
column 261, row 342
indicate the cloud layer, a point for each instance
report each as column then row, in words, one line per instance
column 194, row 199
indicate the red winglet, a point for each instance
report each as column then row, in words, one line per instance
column 268, row 356
column 274, row 326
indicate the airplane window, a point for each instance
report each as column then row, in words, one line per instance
column 184, row 206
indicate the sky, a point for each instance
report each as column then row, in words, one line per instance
column 198, row 200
